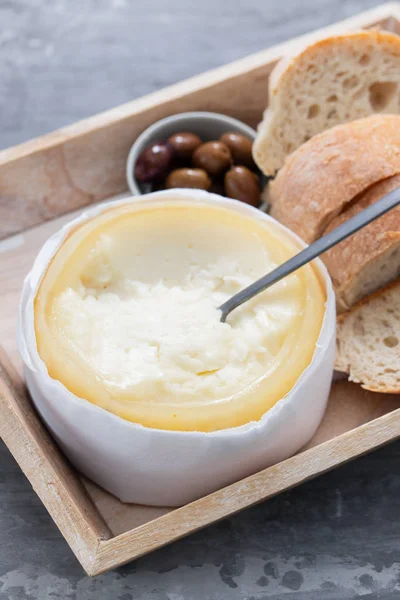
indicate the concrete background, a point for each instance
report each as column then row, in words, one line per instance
column 337, row 537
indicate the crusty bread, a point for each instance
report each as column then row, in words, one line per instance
column 368, row 341
column 335, row 80
column 369, row 259
column 320, row 178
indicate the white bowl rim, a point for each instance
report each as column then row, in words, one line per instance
column 26, row 335
column 147, row 134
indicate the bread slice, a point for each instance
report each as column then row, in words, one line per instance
column 321, row 177
column 368, row 341
column 369, row 259
column 335, row 80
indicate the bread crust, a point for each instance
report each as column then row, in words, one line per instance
column 344, row 366
column 390, row 286
column 356, row 255
column 269, row 150
column 288, row 63
column 323, row 176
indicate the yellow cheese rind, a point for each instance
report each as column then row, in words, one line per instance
column 121, row 267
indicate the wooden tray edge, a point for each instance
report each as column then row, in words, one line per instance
column 47, row 470
column 84, row 528
column 59, row 160
column 247, row 492
column 196, row 83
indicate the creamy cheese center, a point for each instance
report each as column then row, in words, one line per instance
column 126, row 316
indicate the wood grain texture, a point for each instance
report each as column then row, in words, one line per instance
column 121, row 517
column 60, row 158
column 85, row 162
column 267, row 483
column 47, row 470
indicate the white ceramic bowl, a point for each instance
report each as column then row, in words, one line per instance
column 170, row 468
column 207, row 125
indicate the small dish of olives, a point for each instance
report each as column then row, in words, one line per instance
column 201, row 150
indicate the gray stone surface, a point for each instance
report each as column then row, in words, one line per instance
column 337, row 537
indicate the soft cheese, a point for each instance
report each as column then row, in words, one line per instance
column 168, row 467
column 126, row 315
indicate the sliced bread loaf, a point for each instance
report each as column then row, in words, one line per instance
column 368, row 341
column 321, row 177
column 335, row 80
column 369, row 259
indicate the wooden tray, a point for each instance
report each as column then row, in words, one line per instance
column 42, row 180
